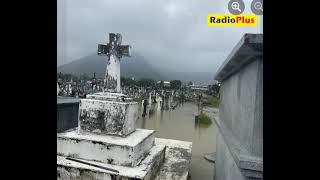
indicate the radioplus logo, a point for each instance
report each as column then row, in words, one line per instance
column 231, row 20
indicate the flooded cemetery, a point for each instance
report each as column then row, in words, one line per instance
column 144, row 94
column 120, row 128
column 173, row 114
column 179, row 123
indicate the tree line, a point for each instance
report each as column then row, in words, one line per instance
column 125, row 81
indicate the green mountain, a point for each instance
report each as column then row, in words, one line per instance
column 136, row 66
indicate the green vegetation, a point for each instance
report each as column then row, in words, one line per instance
column 207, row 100
column 213, row 101
column 67, row 77
column 175, row 84
column 204, row 119
column 127, row 81
column 145, row 82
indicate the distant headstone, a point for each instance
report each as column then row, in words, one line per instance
column 58, row 89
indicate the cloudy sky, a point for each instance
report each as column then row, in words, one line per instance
column 168, row 33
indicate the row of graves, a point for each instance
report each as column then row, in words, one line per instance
column 78, row 89
column 107, row 145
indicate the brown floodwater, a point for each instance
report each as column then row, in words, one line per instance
column 180, row 124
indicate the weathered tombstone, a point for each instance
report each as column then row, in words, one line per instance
column 114, row 50
column 58, row 89
column 109, row 112
column 159, row 101
column 239, row 148
column 93, row 84
column 145, row 104
column 70, row 87
column 149, row 100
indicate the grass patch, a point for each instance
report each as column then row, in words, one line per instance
column 204, row 119
column 213, row 101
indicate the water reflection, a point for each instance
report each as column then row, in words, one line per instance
column 179, row 123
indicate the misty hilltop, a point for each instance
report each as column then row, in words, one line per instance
column 136, row 66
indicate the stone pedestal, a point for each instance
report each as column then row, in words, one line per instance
column 172, row 157
column 239, row 153
column 107, row 116
column 148, row 169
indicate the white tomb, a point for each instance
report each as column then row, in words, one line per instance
column 106, row 143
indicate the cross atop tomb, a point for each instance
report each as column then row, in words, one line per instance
column 114, row 50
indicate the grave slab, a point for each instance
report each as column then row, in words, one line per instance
column 107, row 117
column 125, row 151
column 110, row 96
column 146, row 170
column 177, row 159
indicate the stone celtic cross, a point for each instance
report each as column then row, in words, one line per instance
column 114, row 50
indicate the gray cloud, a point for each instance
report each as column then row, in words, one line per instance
column 168, row 33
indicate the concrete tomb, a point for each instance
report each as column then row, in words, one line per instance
column 106, row 143
column 239, row 153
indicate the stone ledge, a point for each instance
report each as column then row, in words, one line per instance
column 252, row 174
column 177, row 159
column 147, row 169
column 127, row 151
column 251, row 166
column 174, row 143
column 67, row 100
column 110, row 97
column 249, row 47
